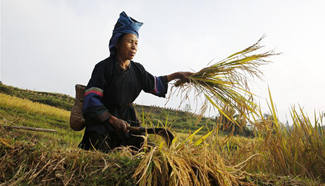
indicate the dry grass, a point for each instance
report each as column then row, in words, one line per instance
column 31, row 164
column 276, row 157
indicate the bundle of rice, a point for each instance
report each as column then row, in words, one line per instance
column 224, row 84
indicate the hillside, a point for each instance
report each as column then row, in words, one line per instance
column 53, row 99
column 179, row 120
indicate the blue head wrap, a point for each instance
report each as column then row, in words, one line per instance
column 124, row 25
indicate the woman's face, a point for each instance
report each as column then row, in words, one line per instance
column 127, row 46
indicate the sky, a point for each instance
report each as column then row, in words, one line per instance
column 51, row 45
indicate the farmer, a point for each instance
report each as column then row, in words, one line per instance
column 114, row 84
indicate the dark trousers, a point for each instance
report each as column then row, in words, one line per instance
column 105, row 143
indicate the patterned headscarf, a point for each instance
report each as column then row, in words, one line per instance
column 124, row 25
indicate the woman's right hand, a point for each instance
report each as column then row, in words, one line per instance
column 119, row 124
column 183, row 77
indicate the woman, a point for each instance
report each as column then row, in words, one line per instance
column 115, row 83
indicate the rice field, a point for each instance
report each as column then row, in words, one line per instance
column 32, row 107
column 16, row 111
column 275, row 156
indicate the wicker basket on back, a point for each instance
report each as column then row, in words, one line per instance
column 77, row 122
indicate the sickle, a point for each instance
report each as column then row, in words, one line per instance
column 165, row 133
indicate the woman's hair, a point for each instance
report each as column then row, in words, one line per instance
column 113, row 50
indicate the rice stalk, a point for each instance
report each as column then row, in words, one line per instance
column 296, row 150
column 225, row 83
column 188, row 162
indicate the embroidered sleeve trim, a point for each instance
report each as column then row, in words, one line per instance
column 94, row 90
